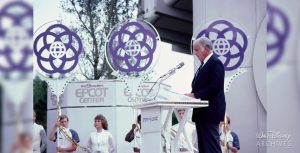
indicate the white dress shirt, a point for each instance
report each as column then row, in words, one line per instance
column 190, row 130
column 39, row 138
column 207, row 58
column 101, row 142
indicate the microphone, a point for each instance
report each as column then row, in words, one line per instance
column 160, row 80
column 172, row 71
column 180, row 65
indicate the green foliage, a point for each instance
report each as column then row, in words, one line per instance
column 92, row 20
column 40, row 100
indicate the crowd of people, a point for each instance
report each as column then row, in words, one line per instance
column 228, row 139
column 101, row 140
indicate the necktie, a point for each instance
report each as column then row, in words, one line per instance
column 202, row 63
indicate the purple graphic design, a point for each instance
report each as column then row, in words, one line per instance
column 276, row 48
column 57, row 49
column 131, row 47
column 15, row 38
column 229, row 42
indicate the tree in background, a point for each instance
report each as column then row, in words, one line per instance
column 93, row 20
column 40, row 100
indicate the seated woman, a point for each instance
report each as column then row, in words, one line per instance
column 101, row 141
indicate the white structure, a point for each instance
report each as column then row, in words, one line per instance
column 155, row 124
column 82, row 101
column 246, row 100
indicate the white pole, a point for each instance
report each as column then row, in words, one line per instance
column 59, row 114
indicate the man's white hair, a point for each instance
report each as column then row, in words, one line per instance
column 205, row 42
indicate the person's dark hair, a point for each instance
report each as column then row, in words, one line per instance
column 61, row 117
column 228, row 120
column 139, row 118
column 103, row 121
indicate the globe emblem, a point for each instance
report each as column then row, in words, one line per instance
column 16, row 31
column 221, row 46
column 278, row 30
column 132, row 48
column 229, row 43
column 17, row 38
column 57, row 49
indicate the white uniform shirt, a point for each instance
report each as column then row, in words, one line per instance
column 137, row 138
column 23, row 151
column 63, row 141
column 190, row 130
column 229, row 139
column 101, row 142
column 39, row 138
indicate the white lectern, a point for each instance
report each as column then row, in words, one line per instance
column 154, row 126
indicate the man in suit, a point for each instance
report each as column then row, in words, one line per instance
column 208, row 84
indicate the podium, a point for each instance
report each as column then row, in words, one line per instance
column 155, row 117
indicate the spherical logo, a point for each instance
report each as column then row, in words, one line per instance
column 278, row 28
column 132, row 47
column 221, row 47
column 15, row 37
column 229, row 42
column 57, row 49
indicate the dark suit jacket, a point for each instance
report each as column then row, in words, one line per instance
column 208, row 84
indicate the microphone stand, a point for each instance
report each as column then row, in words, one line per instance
column 151, row 95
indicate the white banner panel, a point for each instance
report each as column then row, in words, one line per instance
column 91, row 94
column 151, row 119
column 100, row 93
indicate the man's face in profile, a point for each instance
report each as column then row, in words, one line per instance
column 199, row 51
